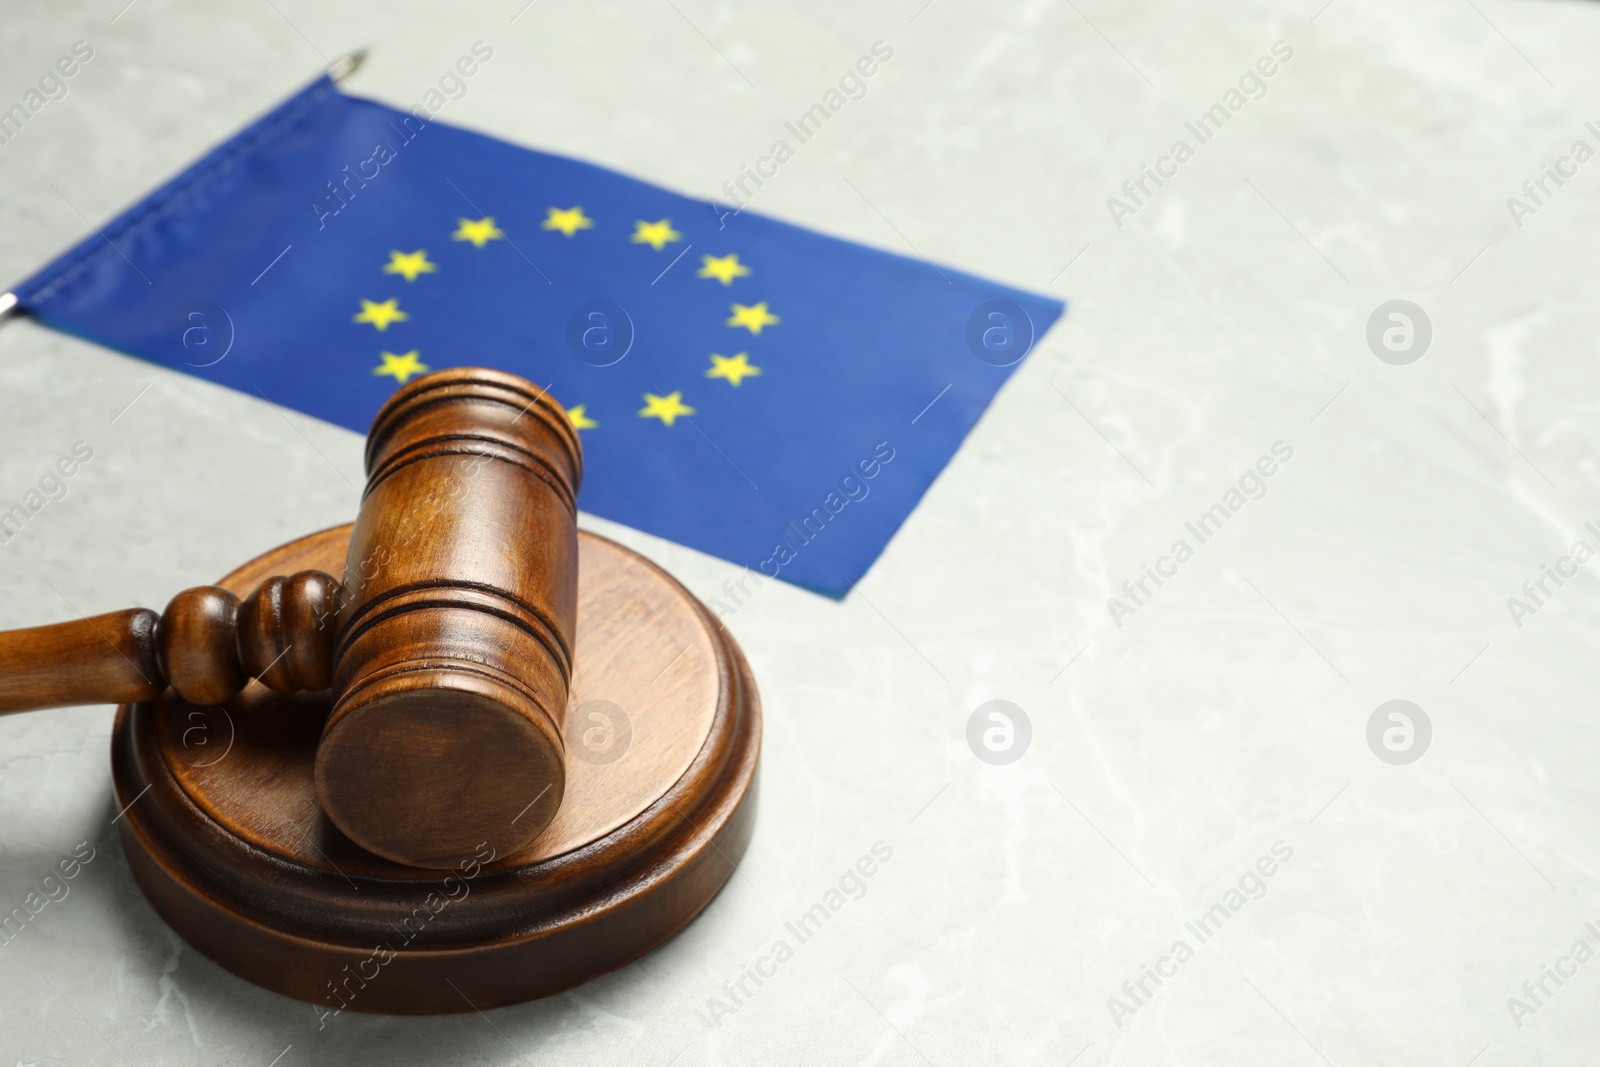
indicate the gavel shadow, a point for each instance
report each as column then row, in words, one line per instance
column 248, row 765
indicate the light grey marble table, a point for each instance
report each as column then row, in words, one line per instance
column 1199, row 772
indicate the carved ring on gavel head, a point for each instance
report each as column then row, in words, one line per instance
column 382, row 845
column 455, row 648
column 448, row 646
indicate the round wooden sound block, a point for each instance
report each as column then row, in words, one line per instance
column 225, row 836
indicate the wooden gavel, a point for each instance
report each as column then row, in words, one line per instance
column 447, row 646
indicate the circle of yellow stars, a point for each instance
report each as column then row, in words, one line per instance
column 657, row 234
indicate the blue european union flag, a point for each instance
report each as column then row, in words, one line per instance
column 755, row 390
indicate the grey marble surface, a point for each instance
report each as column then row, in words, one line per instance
column 1216, row 729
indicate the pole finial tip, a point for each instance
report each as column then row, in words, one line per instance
column 347, row 64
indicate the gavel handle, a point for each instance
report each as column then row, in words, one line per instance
column 207, row 645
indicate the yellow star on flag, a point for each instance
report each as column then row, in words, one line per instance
column 401, row 368
column 733, row 368
column 578, row 413
column 409, row 264
column 479, row 232
column 655, row 234
column 666, row 408
column 723, row 268
column 380, row 315
column 752, row 317
column 568, row 220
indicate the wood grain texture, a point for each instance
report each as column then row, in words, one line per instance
column 228, row 842
column 629, row 626
column 99, row 659
column 447, row 647
column 287, row 629
column 206, row 645
column 455, row 638
column 199, row 645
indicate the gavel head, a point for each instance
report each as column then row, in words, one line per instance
column 454, row 650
